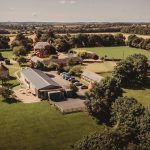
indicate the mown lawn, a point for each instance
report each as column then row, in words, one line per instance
column 142, row 94
column 107, row 66
column 40, row 127
column 117, row 52
column 7, row 53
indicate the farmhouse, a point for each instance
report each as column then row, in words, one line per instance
column 61, row 59
column 39, row 83
column 91, row 77
column 4, row 72
column 42, row 49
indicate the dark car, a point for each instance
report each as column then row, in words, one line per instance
column 84, row 87
column 73, row 81
column 78, row 84
column 72, row 78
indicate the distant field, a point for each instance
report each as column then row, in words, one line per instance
column 117, row 52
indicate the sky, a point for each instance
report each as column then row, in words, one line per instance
column 75, row 10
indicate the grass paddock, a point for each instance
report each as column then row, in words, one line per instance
column 117, row 52
column 40, row 127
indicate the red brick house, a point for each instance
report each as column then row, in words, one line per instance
column 42, row 49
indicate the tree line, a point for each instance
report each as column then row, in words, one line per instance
column 138, row 42
column 139, row 29
column 64, row 43
column 127, row 122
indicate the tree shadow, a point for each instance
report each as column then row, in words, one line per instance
column 12, row 78
column 11, row 101
column 145, row 85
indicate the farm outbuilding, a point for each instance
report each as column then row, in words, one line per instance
column 39, row 83
column 42, row 49
column 91, row 77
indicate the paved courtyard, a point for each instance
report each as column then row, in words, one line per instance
column 71, row 105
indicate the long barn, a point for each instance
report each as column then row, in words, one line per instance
column 39, row 83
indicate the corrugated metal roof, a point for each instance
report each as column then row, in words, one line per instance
column 92, row 76
column 39, row 79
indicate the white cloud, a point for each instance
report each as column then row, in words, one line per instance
column 73, row 2
column 68, row 2
column 12, row 8
column 63, row 2
column 34, row 14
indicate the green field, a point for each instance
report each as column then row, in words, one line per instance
column 7, row 54
column 40, row 127
column 117, row 52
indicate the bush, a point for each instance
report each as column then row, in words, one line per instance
column 53, row 66
column 21, row 60
column 7, row 61
column 76, row 71
column 40, row 65
column 95, row 57
column 74, row 88
column 1, row 57
column 19, row 50
column 82, row 54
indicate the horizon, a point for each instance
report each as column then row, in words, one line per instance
column 75, row 11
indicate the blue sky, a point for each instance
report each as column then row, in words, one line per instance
column 75, row 10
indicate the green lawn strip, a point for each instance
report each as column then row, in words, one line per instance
column 7, row 54
column 117, row 52
column 40, row 126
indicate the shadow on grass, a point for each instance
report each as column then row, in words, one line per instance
column 146, row 85
column 10, row 101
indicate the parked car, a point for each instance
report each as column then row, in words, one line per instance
column 66, row 77
column 84, row 87
column 73, row 81
column 78, row 84
column 63, row 73
column 72, row 78
column 68, row 74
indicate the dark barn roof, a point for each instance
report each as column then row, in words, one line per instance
column 39, row 79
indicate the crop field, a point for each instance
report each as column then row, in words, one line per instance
column 117, row 52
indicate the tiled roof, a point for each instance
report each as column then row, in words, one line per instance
column 41, row 45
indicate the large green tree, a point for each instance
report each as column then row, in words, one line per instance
column 4, row 42
column 132, row 70
column 108, row 139
column 100, row 98
column 126, row 114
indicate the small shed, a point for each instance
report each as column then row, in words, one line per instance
column 69, row 93
column 91, row 77
column 56, row 96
